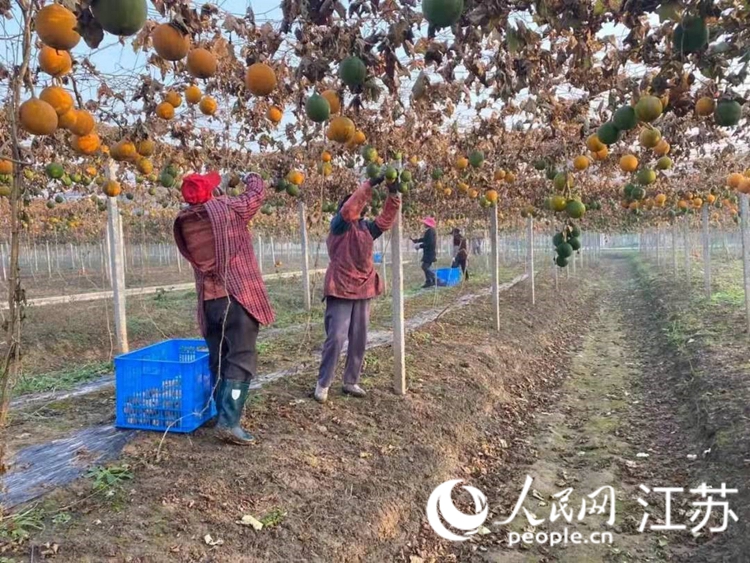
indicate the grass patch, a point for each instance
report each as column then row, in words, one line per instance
column 61, row 380
column 729, row 296
column 17, row 527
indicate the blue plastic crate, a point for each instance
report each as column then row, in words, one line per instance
column 377, row 258
column 448, row 276
column 165, row 386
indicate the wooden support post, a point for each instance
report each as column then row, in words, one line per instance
column 530, row 242
column 658, row 240
column 2, row 263
column 305, row 255
column 686, row 237
column 556, row 268
column 383, row 267
column 106, row 264
column 486, row 250
column 518, row 248
column 495, row 267
column 49, row 259
column 117, row 267
column 745, row 226
column 674, row 247
column 397, row 295
column 122, row 247
column 706, row 251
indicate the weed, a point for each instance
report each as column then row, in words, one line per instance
column 421, row 337
column 273, row 518
column 61, row 519
column 372, row 363
column 255, row 400
column 19, row 526
column 109, row 479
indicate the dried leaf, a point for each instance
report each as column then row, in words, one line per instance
column 90, row 30
column 249, row 520
column 211, row 541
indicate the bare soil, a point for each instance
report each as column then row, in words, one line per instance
column 570, row 391
column 279, row 348
column 346, row 481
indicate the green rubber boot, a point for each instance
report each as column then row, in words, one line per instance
column 231, row 401
column 216, row 394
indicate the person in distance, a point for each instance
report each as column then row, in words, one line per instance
column 428, row 243
column 461, row 257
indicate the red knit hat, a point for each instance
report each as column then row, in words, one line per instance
column 199, row 188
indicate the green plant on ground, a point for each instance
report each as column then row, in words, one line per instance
column 371, row 363
column 109, row 479
column 19, row 526
column 61, row 519
column 273, row 518
column 61, row 380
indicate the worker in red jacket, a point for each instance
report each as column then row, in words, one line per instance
column 212, row 234
column 351, row 281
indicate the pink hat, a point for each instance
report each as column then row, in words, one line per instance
column 429, row 221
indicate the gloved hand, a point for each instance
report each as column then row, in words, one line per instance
column 376, row 181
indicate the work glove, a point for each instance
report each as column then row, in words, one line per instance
column 393, row 188
column 377, row 181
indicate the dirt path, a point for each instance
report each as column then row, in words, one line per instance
column 607, row 425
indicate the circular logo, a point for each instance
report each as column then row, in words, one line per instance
column 440, row 504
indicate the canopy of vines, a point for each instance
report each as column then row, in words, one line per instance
column 625, row 111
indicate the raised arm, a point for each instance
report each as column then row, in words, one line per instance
column 352, row 209
column 247, row 204
column 387, row 217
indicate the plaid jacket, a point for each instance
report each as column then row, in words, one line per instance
column 351, row 273
column 236, row 265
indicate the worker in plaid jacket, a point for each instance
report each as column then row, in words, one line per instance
column 212, row 234
column 351, row 281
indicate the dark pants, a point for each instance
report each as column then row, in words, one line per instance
column 461, row 262
column 236, row 351
column 429, row 274
column 345, row 319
